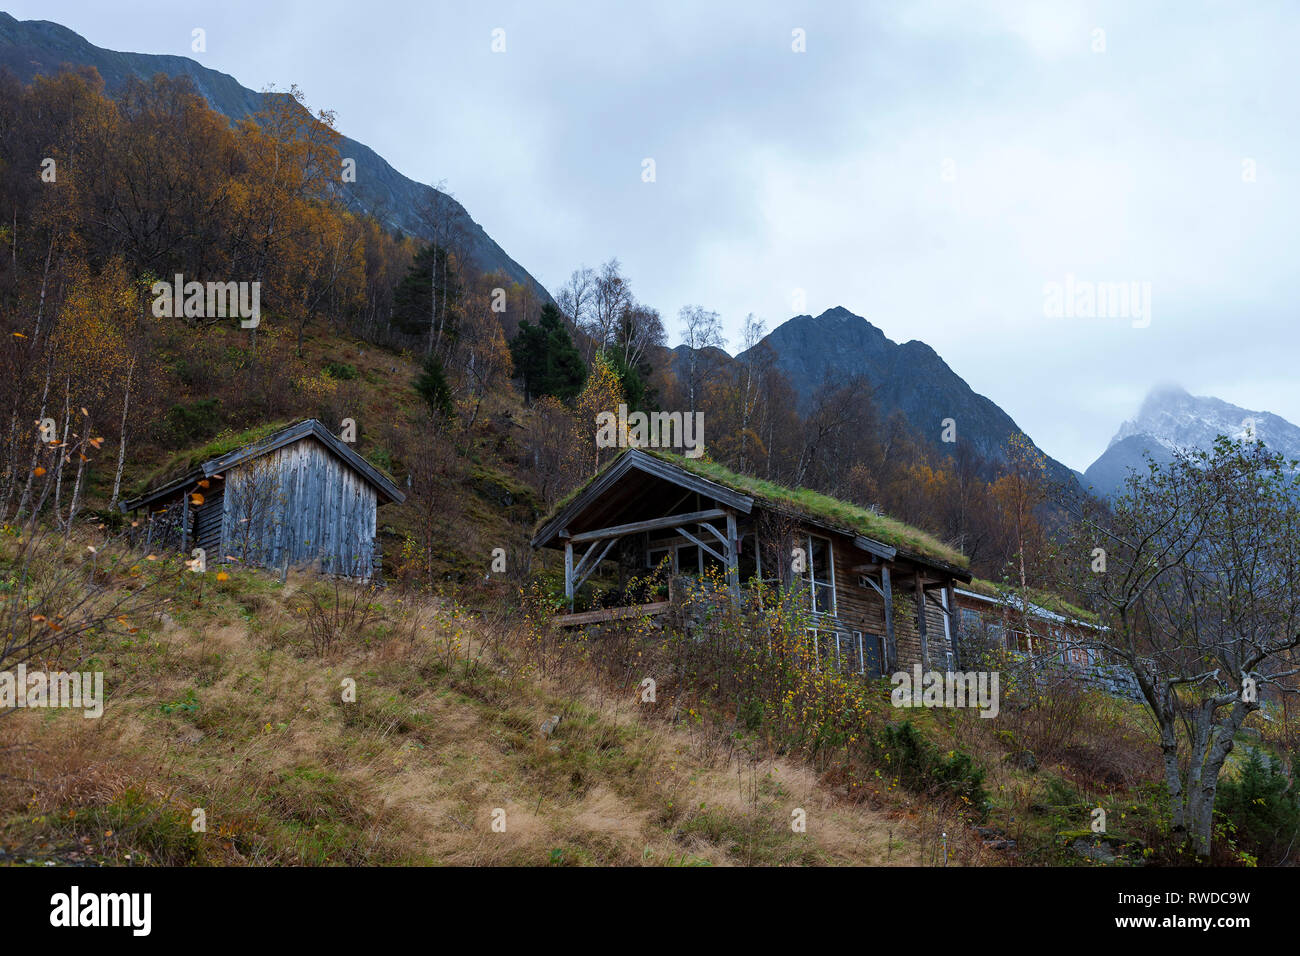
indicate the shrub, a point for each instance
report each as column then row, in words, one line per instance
column 1263, row 808
column 185, row 424
column 920, row 766
column 340, row 371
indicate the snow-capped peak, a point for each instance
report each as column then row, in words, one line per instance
column 1176, row 420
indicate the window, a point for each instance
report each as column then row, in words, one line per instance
column 820, row 575
column 970, row 620
column 775, row 561
column 683, row 558
column 1021, row 642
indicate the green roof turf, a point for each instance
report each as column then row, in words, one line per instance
column 802, row 501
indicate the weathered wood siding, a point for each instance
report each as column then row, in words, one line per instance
column 302, row 505
column 860, row 608
column 207, row 523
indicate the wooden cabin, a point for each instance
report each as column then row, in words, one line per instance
column 1052, row 639
column 879, row 592
column 297, row 498
column 995, row 618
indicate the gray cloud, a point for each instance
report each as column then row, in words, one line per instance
column 822, row 171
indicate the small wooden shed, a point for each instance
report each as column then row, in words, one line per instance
column 299, row 497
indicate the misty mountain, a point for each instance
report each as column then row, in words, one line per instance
column 32, row 47
column 1169, row 421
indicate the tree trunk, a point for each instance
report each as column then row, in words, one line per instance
column 76, row 486
column 1213, row 743
column 26, row 497
column 1173, row 777
column 63, row 453
column 121, row 445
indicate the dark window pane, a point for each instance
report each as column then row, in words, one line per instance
column 819, row 560
column 747, row 559
column 823, row 599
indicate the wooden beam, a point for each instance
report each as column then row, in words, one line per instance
column 891, row 645
column 882, row 551
column 613, row 614
column 920, row 623
column 568, row 572
column 954, row 627
column 582, row 573
column 722, row 539
column 582, row 562
column 651, row 524
column 733, row 556
column 700, row 544
column 876, row 587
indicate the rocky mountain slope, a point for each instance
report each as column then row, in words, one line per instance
column 38, row 47
column 910, row 378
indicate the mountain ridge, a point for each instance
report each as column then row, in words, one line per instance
column 41, row 47
column 910, row 377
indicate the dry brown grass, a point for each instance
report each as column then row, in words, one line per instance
column 223, row 704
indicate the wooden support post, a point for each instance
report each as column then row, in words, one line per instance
column 733, row 557
column 891, row 646
column 185, row 523
column 920, row 621
column 587, row 566
column 701, row 545
column 568, row 572
column 953, row 621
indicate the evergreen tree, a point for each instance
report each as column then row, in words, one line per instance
column 546, row 358
column 1263, row 808
column 433, row 388
column 428, row 299
column 641, row 396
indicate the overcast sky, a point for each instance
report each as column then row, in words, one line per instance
column 929, row 166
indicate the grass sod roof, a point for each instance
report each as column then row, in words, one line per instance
column 800, row 501
column 189, row 461
column 185, row 461
column 1044, row 599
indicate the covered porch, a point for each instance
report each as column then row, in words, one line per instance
column 644, row 514
column 873, row 606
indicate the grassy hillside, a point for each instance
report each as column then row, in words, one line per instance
column 224, row 701
column 228, row 699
